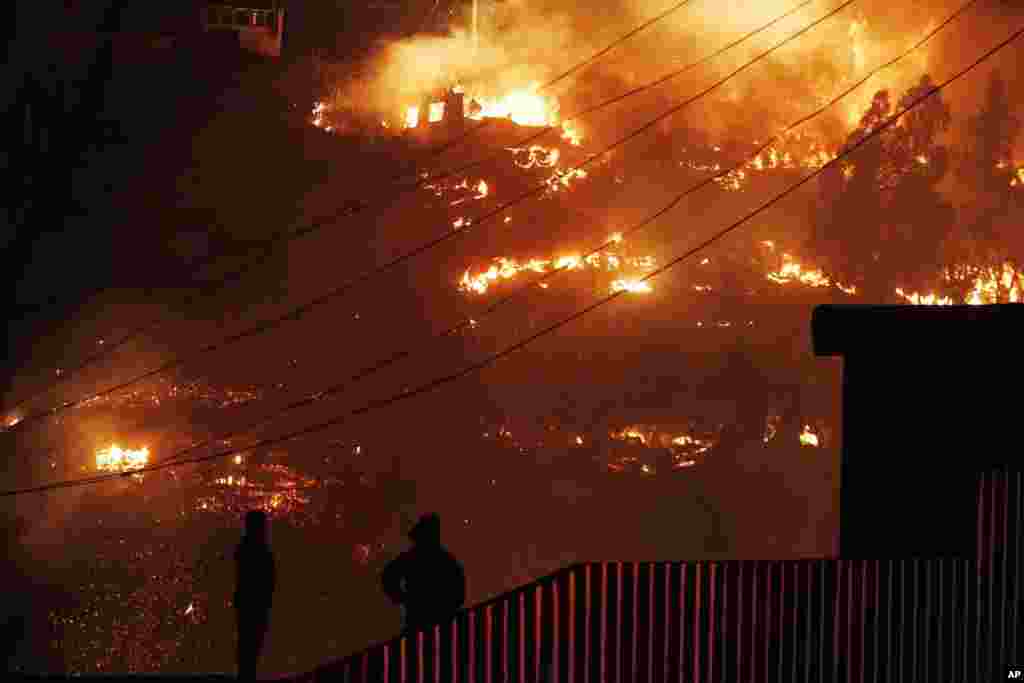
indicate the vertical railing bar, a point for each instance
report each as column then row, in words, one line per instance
column 967, row 579
column 455, row 650
column 926, row 642
column 755, row 571
column 990, row 574
column 682, row 615
column 537, row 630
column 618, row 623
column 488, row 643
column 668, row 619
column 604, row 621
column 586, row 624
column 571, row 654
column 520, row 632
column 1019, row 564
column 850, row 571
column 836, row 622
column 697, row 586
column 471, row 668
column 780, row 636
column 876, row 654
column 821, row 622
column 555, row 646
column 980, row 566
column 1004, row 542
column 711, row 619
column 636, row 611
column 903, row 616
column 650, row 622
column 768, row 620
column 739, row 621
column 809, row 607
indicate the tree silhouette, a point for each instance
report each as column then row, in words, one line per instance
column 984, row 165
column 879, row 222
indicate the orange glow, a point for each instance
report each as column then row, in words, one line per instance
column 436, row 112
column 807, row 437
column 524, row 106
column 116, row 459
column 631, row 286
column 926, row 299
column 412, row 117
column 506, row 268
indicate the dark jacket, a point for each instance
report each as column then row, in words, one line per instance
column 256, row 575
column 428, row 581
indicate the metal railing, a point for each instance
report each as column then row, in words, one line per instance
column 799, row 620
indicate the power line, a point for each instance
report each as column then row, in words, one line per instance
column 348, row 208
column 433, row 384
column 528, row 287
column 324, row 298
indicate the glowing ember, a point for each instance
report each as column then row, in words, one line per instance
column 561, row 179
column 571, row 134
column 11, row 421
column 630, row 433
column 116, row 459
column 535, row 155
column 238, row 460
column 1018, row 178
column 189, row 609
column 632, row 286
column 318, row 114
column 579, row 440
column 807, row 437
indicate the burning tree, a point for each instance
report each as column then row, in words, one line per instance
column 879, row 218
column 984, row 166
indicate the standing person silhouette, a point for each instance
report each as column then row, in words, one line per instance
column 426, row 580
column 256, row 579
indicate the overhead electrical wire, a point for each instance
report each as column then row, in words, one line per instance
column 446, row 379
column 338, row 291
column 527, row 287
column 349, row 207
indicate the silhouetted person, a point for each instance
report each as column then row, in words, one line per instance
column 254, row 591
column 426, row 580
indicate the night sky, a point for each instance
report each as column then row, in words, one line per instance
column 691, row 421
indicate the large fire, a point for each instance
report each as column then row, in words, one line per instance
column 991, row 285
column 117, row 459
column 607, row 261
column 793, row 271
column 523, row 106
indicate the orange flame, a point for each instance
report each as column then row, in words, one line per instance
column 116, row 459
column 807, row 437
column 506, row 269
